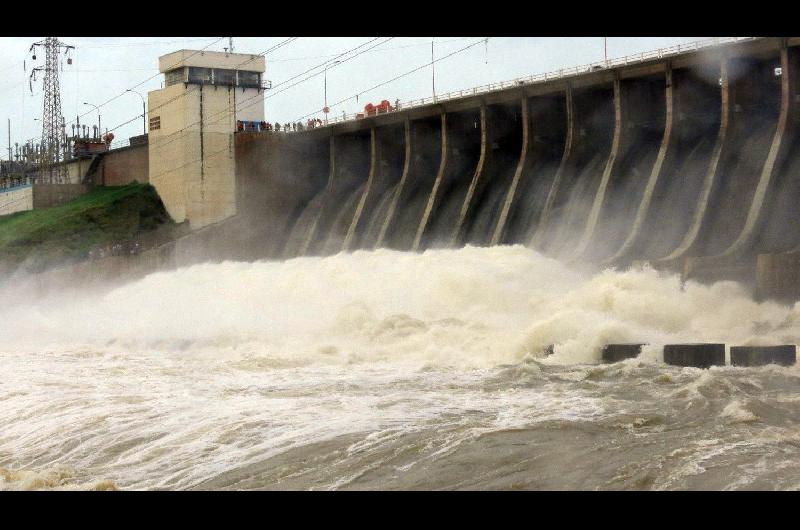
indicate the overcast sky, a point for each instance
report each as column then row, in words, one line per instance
column 104, row 67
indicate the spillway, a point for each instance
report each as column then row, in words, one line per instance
column 686, row 162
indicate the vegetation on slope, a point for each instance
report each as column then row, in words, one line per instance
column 45, row 237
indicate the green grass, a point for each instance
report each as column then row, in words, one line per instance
column 45, row 237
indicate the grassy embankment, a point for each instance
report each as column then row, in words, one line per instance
column 42, row 238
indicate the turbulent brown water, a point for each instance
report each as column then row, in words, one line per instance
column 389, row 370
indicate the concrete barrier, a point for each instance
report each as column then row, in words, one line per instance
column 785, row 355
column 696, row 355
column 613, row 353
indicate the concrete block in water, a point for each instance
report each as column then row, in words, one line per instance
column 785, row 355
column 696, row 355
column 613, row 353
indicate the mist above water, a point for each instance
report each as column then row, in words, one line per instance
column 379, row 367
column 468, row 307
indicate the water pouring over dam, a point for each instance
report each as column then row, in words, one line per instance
column 686, row 162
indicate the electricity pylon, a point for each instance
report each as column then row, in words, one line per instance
column 54, row 140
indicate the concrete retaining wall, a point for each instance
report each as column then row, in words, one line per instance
column 112, row 168
column 123, row 166
column 16, row 199
column 48, row 195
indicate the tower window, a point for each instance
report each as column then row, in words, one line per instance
column 173, row 77
column 199, row 75
column 249, row 79
column 224, row 77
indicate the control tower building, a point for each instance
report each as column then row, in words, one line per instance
column 191, row 124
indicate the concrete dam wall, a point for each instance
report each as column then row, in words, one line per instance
column 689, row 162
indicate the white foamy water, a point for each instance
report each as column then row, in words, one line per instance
column 391, row 370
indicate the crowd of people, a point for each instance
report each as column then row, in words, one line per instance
column 313, row 123
column 293, row 127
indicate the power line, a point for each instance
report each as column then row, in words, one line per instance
column 426, row 65
column 131, row 88
column 134, row 44
column 227, row 149
column 151, row 77
column 255, row 97
column 239, row 106
column 184, row 94
column 337, row 57
column 381, row 50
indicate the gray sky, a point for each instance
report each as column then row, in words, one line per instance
column 104, row 67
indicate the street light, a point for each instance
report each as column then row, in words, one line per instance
column 325, row 109
column 144, row 111
column 98, row 116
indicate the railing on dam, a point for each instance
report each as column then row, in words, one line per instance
column 556, row 74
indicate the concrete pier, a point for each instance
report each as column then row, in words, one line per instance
column 591, row 150
column 644, row 140
column 544, row 137
column 695, row 355
column 613, row 353
column 425, row 152
column 353, row 165
column 504, row 162
column 386, row 172
column 785, row 355
column 462, row 167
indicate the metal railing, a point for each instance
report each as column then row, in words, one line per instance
column 556, row 74
column 117, row 144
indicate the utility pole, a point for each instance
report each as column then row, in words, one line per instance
column 53, row 146
column 605, row 49
column 144, row 111
column 9, row 140
column 325, row 108
column 433, row 73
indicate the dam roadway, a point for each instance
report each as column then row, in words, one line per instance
column 686, row 160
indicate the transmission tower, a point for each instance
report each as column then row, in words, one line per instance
column 54, row 139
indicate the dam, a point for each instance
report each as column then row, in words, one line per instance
column 687, row 161
column 445, row 294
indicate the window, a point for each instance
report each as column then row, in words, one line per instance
column 249, row 79
column 173, row 77
column 224, row 77
column 199, row 75
column 155, row 123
